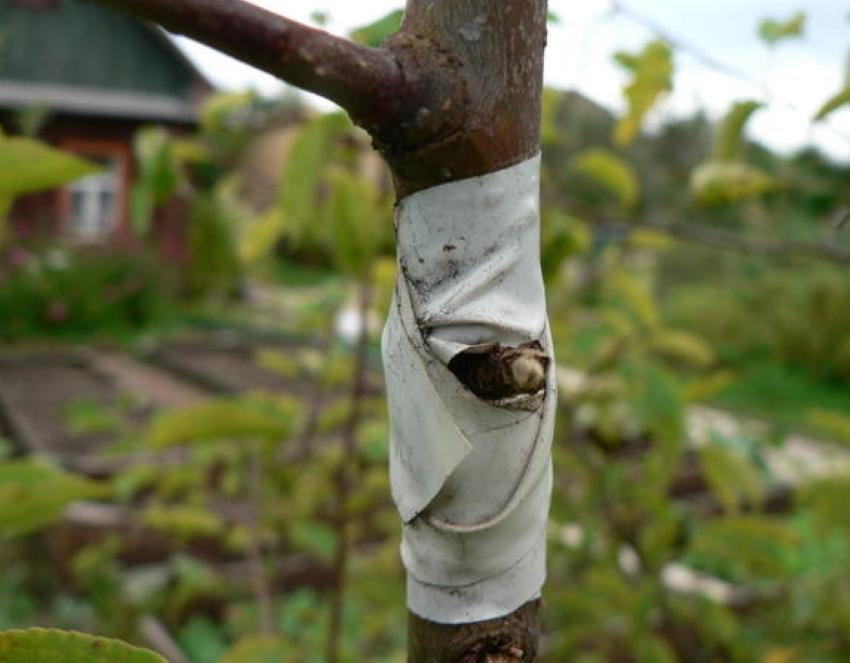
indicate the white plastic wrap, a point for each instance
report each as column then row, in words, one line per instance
column 471, row 479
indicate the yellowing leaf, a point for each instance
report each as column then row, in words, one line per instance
column 725, row 183
column 783, row 655
column 39, row 645
column 28, row 165
column 612, row 172
column 652, row 77
column 648, row 238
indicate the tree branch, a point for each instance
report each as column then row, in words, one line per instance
column 368, row 82
column 717, row 238
column 755, row 246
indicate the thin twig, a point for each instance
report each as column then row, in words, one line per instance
column 262, row 589
column 345, row 476
column 718, row 239
column 365, row 81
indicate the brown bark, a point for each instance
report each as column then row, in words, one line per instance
column 454, row 94
column 510, row 640
column 496, row 52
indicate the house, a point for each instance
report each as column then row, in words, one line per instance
column 89, row 77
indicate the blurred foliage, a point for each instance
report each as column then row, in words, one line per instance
column 665, row 545
column 651, row 73
column 28, row 165
column 772, row 31
column 375, row 33
column 49, row 293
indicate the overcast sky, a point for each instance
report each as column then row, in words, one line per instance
column 802, row 73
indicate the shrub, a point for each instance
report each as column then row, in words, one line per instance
column 77, row 294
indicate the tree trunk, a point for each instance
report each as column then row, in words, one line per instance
column 455, row 94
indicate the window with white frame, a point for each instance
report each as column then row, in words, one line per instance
column 93, row 209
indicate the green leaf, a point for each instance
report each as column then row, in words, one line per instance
column 86, row 416
column 315, row 538
column 612, row 172
column 261, row 649
column 834, row 425
column 728, row 145
column 724, row 183
column 28, row 165
column 772, row 31
column 214, row 265
column 562, row 236
column 651, row 648
column 658, row 402
column 651, row 77
column 320, row 17
column 747, row 547
column 152, row 148
column 183, row 522
column 732, row 478
column 375, row 33
column 242, row 418
column 682, row 347
column 218, row 109
column 550, row 132
column 203, row 640
column 308, row 159
column 285, row 364
column 826, row 502
column 158, row 175
column 833, row 104
column 260, row 237
column 34, row 494
column 5, row 207
column 51, row 646
column 141, row 208
column 355, row 222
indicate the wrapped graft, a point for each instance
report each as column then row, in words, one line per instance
column 466, row 355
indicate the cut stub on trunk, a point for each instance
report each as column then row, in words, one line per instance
column 472, row 400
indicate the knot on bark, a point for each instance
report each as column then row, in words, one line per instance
column 436, row 105
column 502, row 371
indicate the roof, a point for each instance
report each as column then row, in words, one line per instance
column 83, row 58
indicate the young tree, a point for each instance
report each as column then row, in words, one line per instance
column 454, row 95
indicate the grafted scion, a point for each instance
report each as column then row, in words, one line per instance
column 455, row 95
column 501, row 371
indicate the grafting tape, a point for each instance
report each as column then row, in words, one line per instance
column 471, row 479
